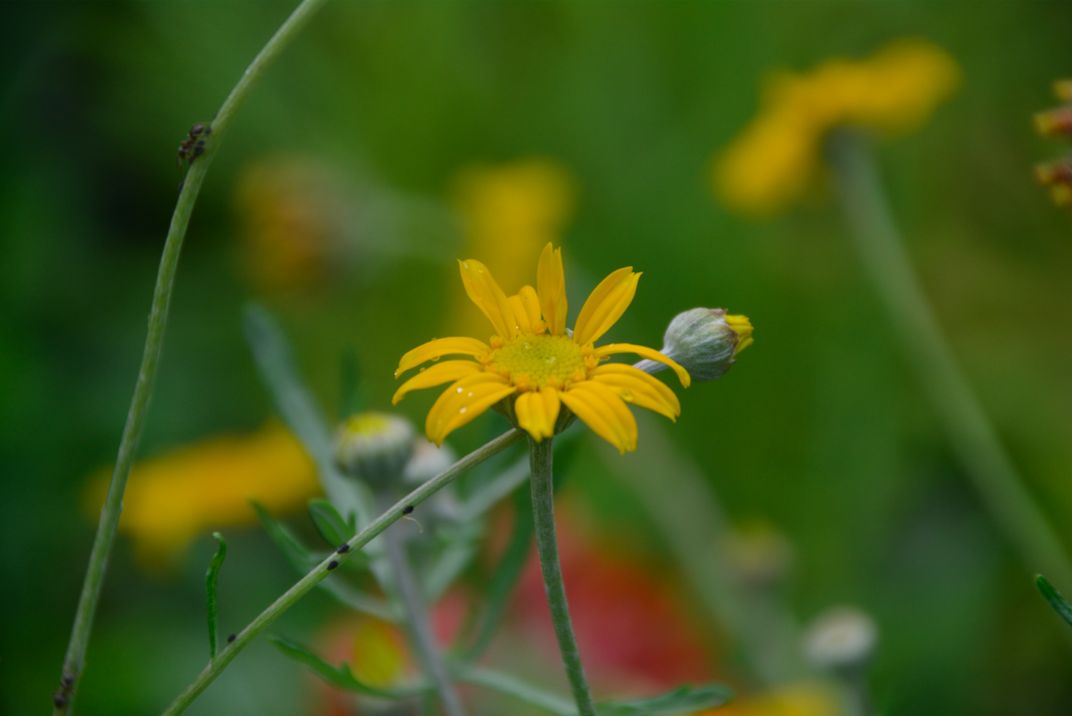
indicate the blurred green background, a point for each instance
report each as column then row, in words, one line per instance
column 820, row 430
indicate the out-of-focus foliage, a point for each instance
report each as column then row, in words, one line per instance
column 377, row 111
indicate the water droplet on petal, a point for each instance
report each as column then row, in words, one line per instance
column 470, row 395
column 435, row 358
column 423, row 368
column 462, row 411
column 460, row 389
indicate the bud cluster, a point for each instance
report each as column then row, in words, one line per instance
column 1057, row 122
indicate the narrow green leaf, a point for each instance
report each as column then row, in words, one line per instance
column 296, row 553
column 1058, row 602
column 340, row 677
column 505, row 577
column 299, row 410
column 329, row 522
column 211, row 597
column 352, row 398
column 682, row 700
column 512, row 686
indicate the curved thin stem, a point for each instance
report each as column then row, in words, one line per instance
column 543, row 511
column 74, row 662
column 306, row 583
column 420, row 628
column 974, row 440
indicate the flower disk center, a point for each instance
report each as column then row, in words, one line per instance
column 535, row 361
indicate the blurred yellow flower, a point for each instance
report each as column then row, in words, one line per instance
column 772, row 161
column 173, row 498
column 511, row 212
column 535, row 367
column 799, row 699
column 378, row 655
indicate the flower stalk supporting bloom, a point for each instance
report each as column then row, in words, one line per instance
column 543, row 507
column 973, row 438
column 74, row 661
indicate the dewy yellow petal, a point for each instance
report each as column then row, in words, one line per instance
column 488, row 297
column 521, row 316
column 440, row 347
column 438, row 374
column 551, row 286
column 463, row 401
column 637, row 392
column 611, row 286
column 644, row 352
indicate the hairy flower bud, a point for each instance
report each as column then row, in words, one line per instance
column 704, row 341
column 374, row 447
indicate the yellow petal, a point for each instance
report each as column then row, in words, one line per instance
column 621, row 418
column 520, row 314
column 462, row 402
column 637, row 392
column 531, row 302
column 619, row 373
column 438, row 374
column 603, row 411
column 551, row 285
column 440, row 347
column 644, row 352
column 605, row 305
column 488, row 297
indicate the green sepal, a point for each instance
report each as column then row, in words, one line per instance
column 330, row 523
column 682, row 700
column 296, row 553
column 340, row 677
column 1058, row 602
column 211, row 597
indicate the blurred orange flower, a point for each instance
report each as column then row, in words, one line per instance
column 771, row 163
column 173, row 498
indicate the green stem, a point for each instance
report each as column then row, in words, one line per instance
column 74, row 662
column 306, row 583
column 973, row 438
column 420, row 628
column 543, row 511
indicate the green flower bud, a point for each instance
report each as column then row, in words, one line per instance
column 374, row 447
column 704, row 341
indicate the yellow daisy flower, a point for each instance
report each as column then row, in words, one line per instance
column 534, row 365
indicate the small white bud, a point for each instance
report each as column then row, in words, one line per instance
column 704, row 341
column 841, row 639
column 428, row 461
column 374, row 447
